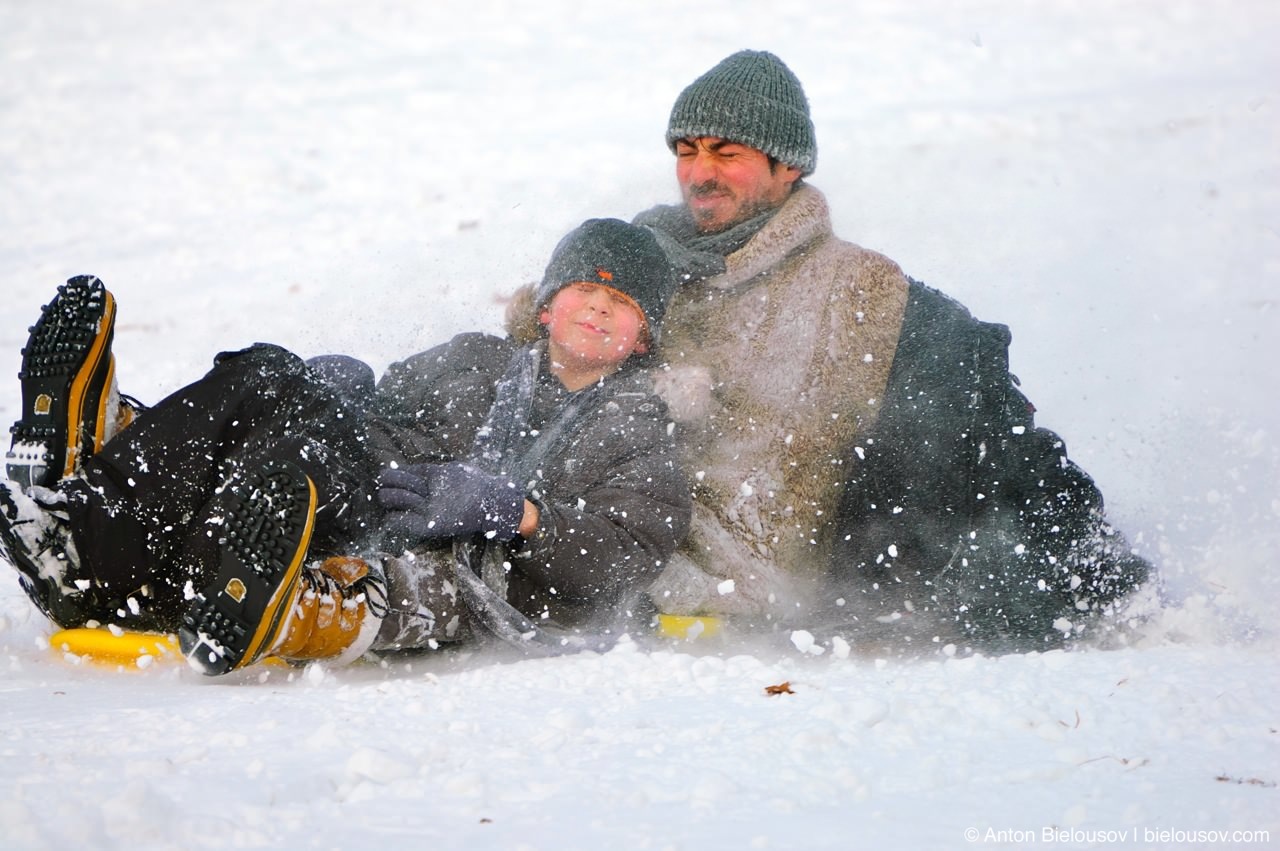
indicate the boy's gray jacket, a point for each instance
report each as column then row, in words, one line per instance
column 859, row 451
column 613, row 501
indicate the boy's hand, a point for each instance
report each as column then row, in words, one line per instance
column 452, row 500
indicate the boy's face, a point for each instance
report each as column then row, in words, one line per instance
column 590, row 326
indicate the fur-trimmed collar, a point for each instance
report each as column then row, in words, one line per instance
column 799, row 222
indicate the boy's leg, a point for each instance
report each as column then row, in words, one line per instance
column 112, row 539
column 141, row 511
column 131, row 505
column 337, row 609
column 351, row 379
column 424, row 607
column 70, row 408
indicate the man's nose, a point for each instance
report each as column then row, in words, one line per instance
column 701, row 168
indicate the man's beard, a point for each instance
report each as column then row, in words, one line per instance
column 712, row 188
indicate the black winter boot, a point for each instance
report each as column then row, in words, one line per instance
column 268, row 519
column 35, row 537
column 69, row 404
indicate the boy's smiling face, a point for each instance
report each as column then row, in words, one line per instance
column 591, row 330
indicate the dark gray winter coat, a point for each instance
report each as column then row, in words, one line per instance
column 600, row 464
column 958, row 511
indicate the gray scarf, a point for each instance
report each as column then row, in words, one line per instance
column 694, row 255
column 532, row 417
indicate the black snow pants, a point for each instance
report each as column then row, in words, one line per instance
column 144, row 512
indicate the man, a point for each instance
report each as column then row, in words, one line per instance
column 858, row 449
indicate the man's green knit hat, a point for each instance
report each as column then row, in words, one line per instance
column 754, row 99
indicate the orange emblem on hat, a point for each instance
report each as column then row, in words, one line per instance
column 604, row 274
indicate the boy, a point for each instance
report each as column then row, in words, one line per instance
column 601, row 501
column 212, row 513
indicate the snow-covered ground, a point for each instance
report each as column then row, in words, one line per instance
column 373, row 177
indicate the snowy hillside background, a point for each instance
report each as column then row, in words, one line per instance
column 372, row 178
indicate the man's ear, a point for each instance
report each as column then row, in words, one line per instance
column 544, row 317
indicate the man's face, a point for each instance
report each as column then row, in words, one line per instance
column 725, row 183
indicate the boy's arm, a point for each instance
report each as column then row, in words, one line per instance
column 427, row 408
column 616, row 532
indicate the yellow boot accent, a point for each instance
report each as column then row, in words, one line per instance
column 339, row 606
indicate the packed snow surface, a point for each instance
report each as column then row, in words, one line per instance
column 372, row 178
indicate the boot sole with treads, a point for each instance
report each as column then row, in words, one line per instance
column 67, row 372
column 269, row 517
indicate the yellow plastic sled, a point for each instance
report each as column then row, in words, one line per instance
column 116, row 648
column 688, row 627
column 127, row 648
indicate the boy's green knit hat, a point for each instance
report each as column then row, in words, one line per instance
column 621, row 256
column 754, row 99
